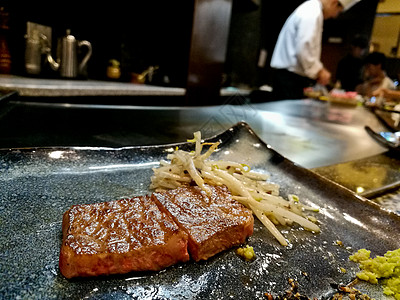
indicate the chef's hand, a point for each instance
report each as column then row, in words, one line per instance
column 324, row 76
column 387, row 94
column 381, row 92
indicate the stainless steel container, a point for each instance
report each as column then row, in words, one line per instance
column 33, row 54
column 67, row 62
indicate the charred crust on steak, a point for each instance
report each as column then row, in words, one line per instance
column 214, row 223
column 150, row 233
column 118, row 237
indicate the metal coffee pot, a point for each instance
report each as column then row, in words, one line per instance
column 67, row 61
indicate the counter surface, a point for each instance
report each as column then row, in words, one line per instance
column 309, row 132
column 35, row 87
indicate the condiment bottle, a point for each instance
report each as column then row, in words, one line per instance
column 5, row 56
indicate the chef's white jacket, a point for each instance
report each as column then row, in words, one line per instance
column 298, row 48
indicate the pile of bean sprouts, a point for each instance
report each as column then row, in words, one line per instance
column 183, row 168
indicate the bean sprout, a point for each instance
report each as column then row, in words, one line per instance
column 248, row 187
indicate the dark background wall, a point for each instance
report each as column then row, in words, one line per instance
column 137, row 33
column 155, row 32
column 244, row 43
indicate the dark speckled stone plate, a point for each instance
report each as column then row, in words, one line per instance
column 38, row 185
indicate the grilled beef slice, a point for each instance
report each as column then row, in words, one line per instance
column 214, row 223
column 118, row 237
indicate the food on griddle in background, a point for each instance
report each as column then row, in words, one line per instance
column 118, row 237
column 213, row 222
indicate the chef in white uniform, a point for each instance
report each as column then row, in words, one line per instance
column 296, row 60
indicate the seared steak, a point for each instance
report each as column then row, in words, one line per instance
column 214, row 223
column 118, row 237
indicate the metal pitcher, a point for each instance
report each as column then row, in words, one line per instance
column 67, row 61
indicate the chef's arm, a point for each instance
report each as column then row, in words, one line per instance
column 308, row 44
column 387, row 93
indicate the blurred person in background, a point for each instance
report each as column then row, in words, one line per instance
column 374, row 75
column 296, row 59
column 384, row 94
column 349, row 72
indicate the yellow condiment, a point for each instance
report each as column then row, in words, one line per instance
column 385, row 267
column 246, row 252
